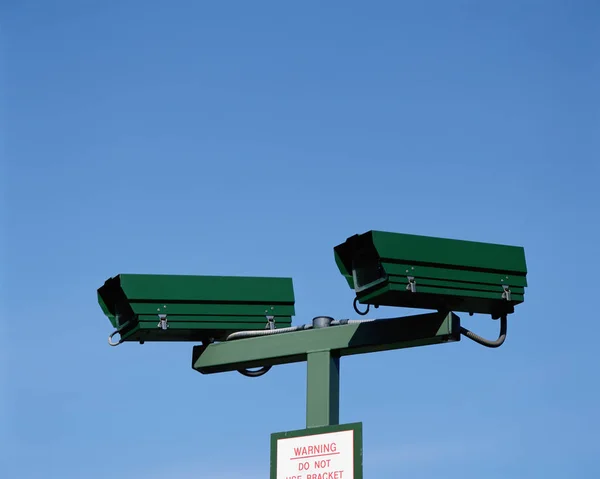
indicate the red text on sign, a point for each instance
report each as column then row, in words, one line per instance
column 314, row 451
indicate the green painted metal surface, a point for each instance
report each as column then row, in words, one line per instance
column 356, row 338
column 196, row 308
column 394, row 269
column 322, row 388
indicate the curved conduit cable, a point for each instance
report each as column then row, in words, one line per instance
column 266, row 332
column 486, row 342
column 355, row 306
column 254, row 374
column 341, row 322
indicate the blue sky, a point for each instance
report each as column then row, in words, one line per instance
column 249, row 138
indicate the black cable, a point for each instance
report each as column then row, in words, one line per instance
column 254, row 374
column 486, row 342
column 362, row 313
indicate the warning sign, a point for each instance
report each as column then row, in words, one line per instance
column 317, row 454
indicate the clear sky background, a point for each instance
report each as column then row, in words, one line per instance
column 250, row 138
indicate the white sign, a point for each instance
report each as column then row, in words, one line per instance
column 319, row 456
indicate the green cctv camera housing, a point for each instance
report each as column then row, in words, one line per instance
column 393, row 269
column 146, row 307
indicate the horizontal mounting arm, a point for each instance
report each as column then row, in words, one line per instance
column 354, row 338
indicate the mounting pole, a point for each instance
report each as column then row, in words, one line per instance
column 322, row 388
column 322, row 383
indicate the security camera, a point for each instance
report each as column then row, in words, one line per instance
column 393, row 269
column 147, row 307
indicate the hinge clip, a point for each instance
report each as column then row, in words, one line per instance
column 162, row 322
column 506, row 292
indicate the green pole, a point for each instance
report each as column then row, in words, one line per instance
column 322, row 388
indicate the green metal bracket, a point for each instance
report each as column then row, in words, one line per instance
column 322, row 349
column 354, row 338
